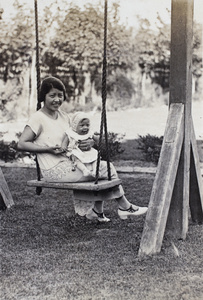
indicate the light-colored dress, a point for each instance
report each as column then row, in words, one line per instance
column 58, row 168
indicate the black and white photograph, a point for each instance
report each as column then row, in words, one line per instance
column 101, row 149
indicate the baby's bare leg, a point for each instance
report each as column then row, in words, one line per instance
column 82, row 167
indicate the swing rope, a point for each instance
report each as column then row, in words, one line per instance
column 37, row 55
column 103, row 124
column 38, row 189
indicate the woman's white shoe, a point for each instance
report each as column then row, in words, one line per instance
column 93, row 215
column 133, row 210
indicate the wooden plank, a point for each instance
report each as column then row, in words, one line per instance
column 162, row 189
column 174, row 226
column 196, row 183
column 181, row 91
column 89, row 186
column 6, row 196
column 2, row 203
column 181, row 52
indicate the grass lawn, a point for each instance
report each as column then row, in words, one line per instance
column 49, row 253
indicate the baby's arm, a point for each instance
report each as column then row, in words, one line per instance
column 65, row 142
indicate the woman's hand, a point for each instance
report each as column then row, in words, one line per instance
column 86, row 145
column 57, row 150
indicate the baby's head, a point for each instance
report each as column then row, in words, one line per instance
column 80, row 123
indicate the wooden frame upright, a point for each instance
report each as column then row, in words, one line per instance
column 178, row 182
column 6, row 199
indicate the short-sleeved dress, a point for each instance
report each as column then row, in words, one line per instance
column 58, row 168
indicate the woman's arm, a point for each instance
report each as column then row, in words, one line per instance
column 86, row 145
column 26, row 140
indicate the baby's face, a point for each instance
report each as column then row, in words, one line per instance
column 83, row 127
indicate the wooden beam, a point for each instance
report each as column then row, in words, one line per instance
column 181, row 52
column 162, row 189
column 6, row 199
column 183, row 181
column 89, row 186
column 196, row 186
column 177, row 221
column 181, row 92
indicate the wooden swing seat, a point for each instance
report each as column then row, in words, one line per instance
column 88, row 186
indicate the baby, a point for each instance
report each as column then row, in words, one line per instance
column 86, row 161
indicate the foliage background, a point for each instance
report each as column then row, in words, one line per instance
column 71, row 47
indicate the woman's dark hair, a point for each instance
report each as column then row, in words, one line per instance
column 48, row 84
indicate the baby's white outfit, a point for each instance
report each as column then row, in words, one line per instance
column 85, row 157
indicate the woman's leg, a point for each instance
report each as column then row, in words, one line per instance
column 99, row 206
column 97, row 212
column 123, row 202
column 127, row 209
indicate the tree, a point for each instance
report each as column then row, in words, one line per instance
column 153, row 51
column 16, row 42
column 16, row 47
column 71, row 47
column 76, row 47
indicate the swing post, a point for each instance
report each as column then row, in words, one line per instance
column 6, row 199
column 178, row 182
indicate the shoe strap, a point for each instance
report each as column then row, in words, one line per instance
column 100, row 215
column 130, row 209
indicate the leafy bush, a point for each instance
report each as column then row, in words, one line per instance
column 114, row 145
column 151, row 146
column 9, row 152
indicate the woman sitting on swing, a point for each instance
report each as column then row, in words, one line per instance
column 43, row 135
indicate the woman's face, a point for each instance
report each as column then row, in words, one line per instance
column 53, row 99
